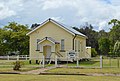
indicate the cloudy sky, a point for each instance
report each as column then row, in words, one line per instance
column 69, row 12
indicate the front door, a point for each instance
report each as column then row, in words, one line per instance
column 47, row 51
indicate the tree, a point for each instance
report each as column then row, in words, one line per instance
column 93, row 52
column 114, row 31
column 103, row 33
column 14, row 38
column 2, row 47
column 91, row 34
column 116, row 50
column 104, row 45
column 114, row 22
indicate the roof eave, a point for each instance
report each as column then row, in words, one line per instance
column 38, row 27
column 56, row 24
column 83, row 36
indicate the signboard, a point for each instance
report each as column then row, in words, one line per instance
column 72, row 54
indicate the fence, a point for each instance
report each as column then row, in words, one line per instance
column 15, row 57
column 112, row 62
column 96, row 62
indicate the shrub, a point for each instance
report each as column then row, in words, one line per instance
column 93, row 52
column 17, row 65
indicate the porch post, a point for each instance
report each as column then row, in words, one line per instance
column 43, row 61
column 77, row 60
column 56, row 61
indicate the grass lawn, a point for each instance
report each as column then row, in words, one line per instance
column 82, row 71
column 95, row 63
column 91, row 63
column 7, row 65
column 111, row 62
column 16, row 77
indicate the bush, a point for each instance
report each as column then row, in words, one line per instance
column 17, row 65
column 93, row 52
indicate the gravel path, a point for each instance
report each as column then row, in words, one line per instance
column 38, row 71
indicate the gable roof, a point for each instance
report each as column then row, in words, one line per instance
column 63, row 26
column 50, row 39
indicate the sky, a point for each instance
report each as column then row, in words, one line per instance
column 70, row 12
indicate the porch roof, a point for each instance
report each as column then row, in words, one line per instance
column 50, row 39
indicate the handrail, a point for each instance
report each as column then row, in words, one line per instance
column 87, row 53
column 60, row 54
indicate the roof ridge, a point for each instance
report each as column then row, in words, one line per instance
column 62, row 25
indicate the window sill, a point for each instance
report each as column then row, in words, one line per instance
column 62, row 50
column 37, row 50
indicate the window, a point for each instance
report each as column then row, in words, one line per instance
column 79, row 46
column 62, row 44
column 82, row 46
column 75, row 45
column 37, row 47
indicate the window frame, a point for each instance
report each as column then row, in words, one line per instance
column 62, row 45
column 37, row 45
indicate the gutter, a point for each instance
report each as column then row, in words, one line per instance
column 74, row 40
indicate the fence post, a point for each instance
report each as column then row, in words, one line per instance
column 17, row 57
column 26, row 57
column 77, row 59
column 8, row 57
column 56, row 61
column 43, row 61
column 118, row 62
column 110, row 61
column 67, row 60
column 77, row 62
column 101, row 62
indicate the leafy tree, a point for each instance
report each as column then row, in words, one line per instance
column 103, row 33
column 104, row 45
column 91, row 34
column 14, row 38
column 93, row 52
column 2, row 47
column 114, row 31
column 117, row 48
column 114, row 22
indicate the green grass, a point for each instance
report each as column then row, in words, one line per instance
column 91, row 63
column 95, row 62
column 110, row 62
column 82, row 71
column 7, row 66
column 16, row 77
